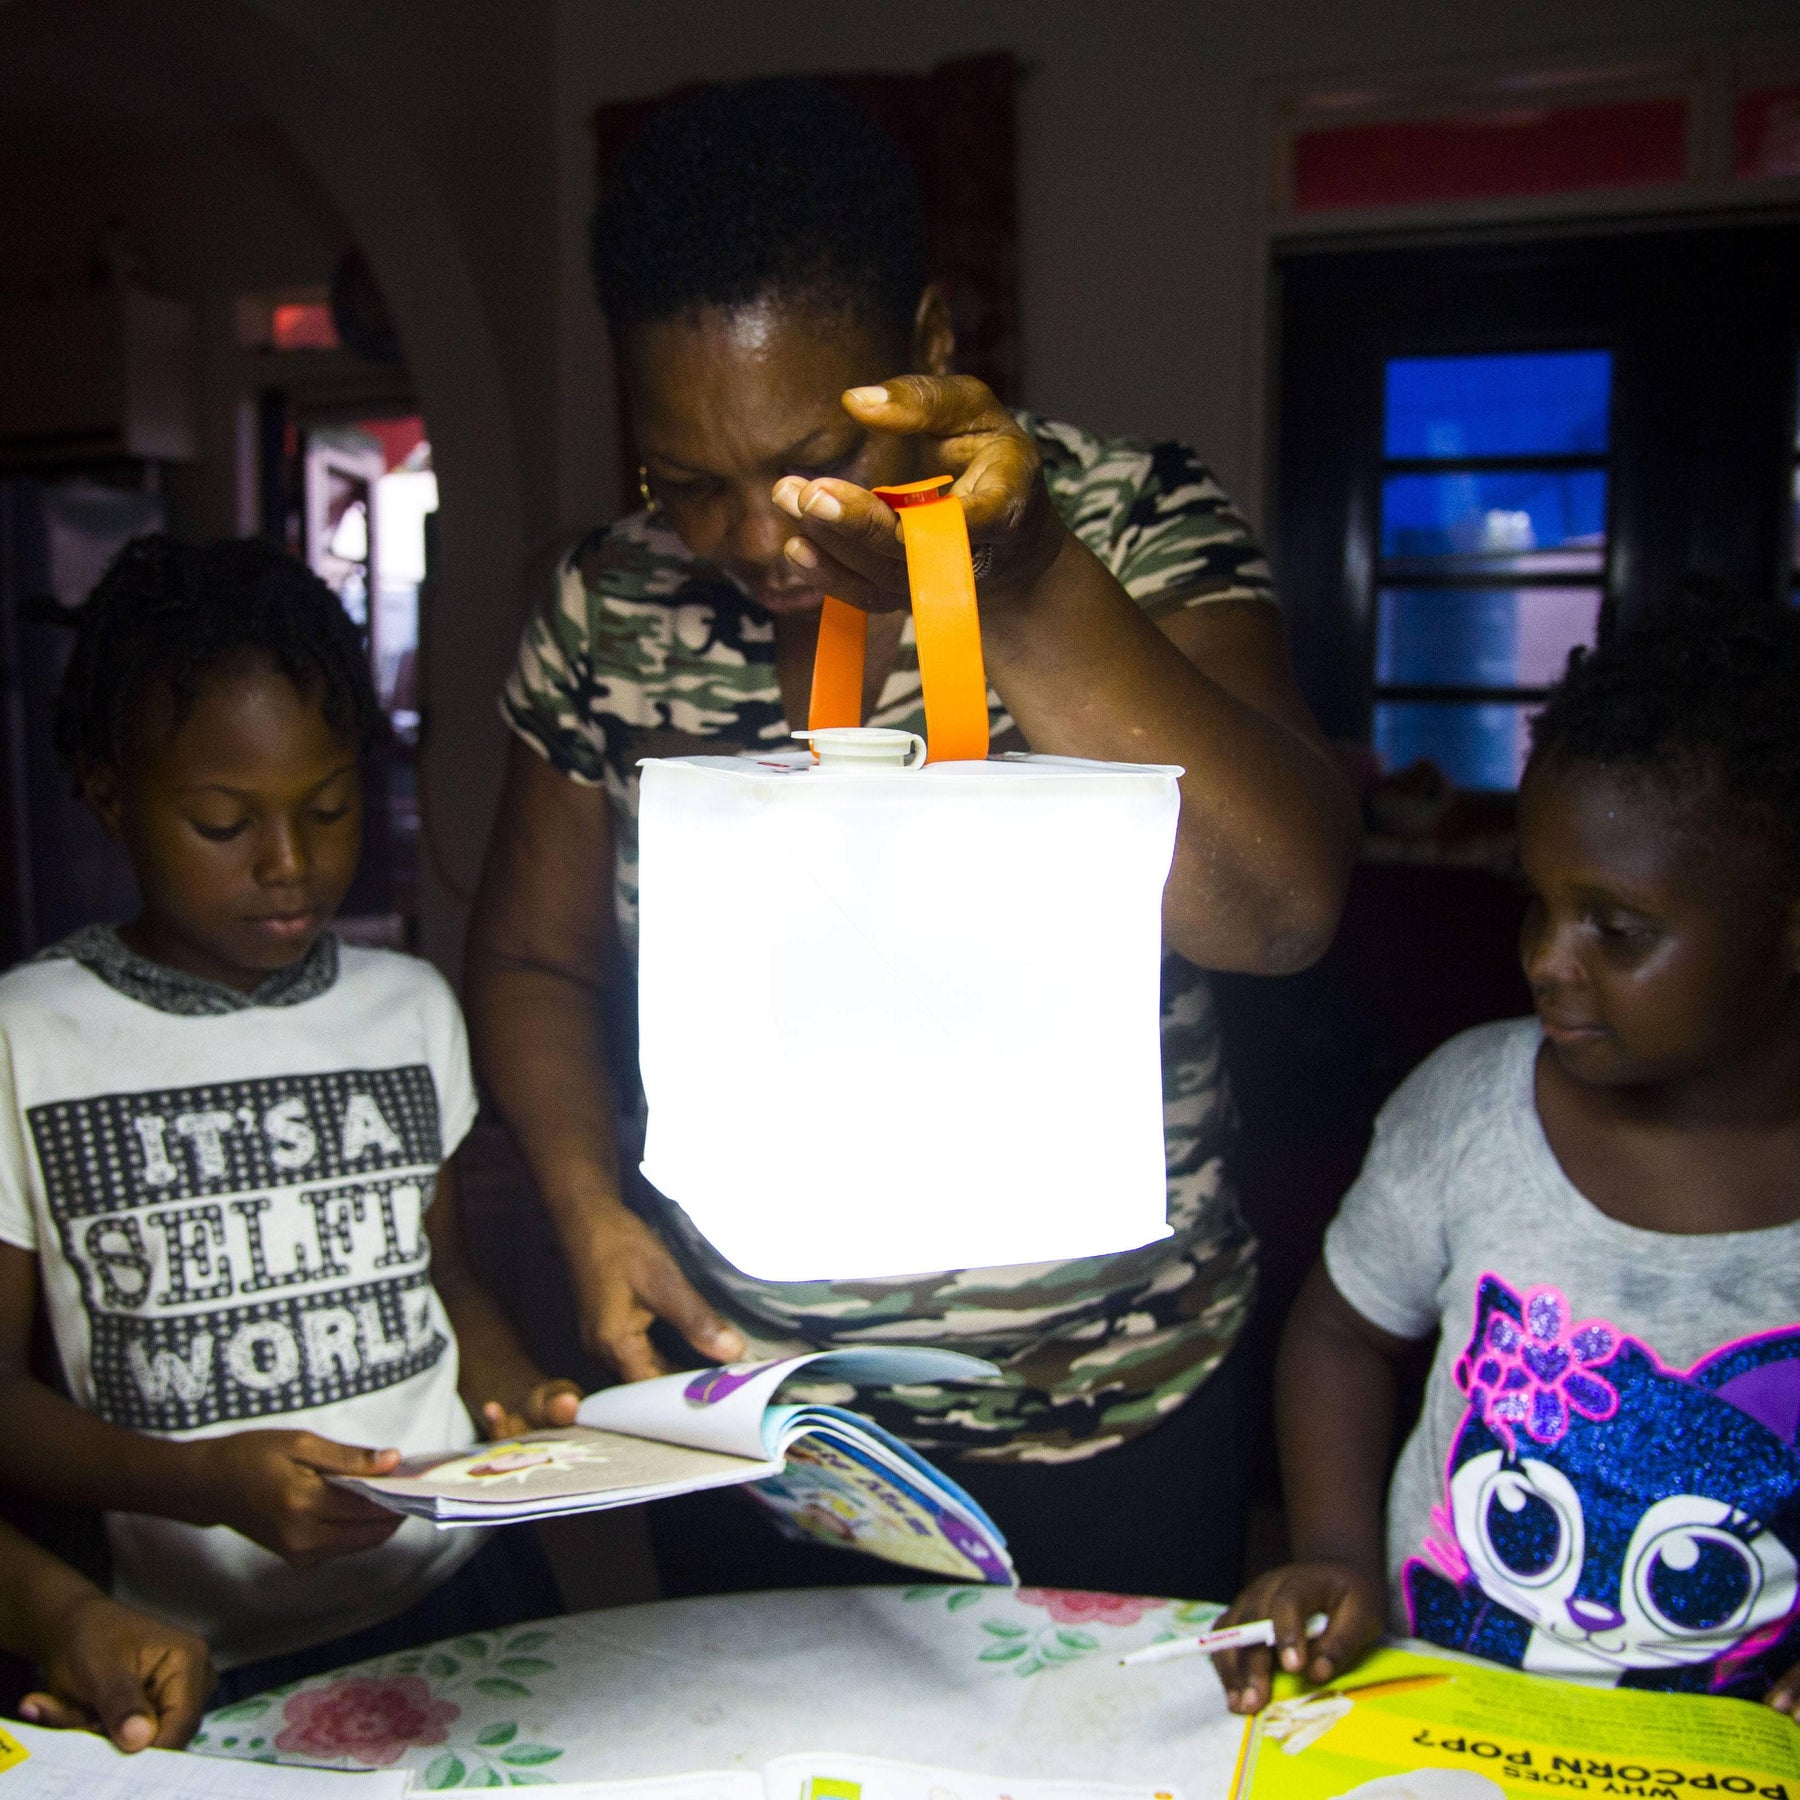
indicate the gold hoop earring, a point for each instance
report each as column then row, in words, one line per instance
column 652, row 505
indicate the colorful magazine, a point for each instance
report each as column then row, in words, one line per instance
column 1401, row 1726
column 825, row 1472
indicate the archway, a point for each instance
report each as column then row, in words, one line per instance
column 265, row 56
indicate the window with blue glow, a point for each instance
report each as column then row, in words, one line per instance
column 1554, row 403
column 1493, row 538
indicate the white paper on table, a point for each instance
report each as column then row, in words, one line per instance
column 849, row 1777
column 76, row 1765
column 721, row 1784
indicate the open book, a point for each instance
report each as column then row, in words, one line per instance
column 825, row 1473
column 1401, row 1726
column 828, row 1776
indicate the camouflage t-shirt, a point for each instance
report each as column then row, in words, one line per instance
column 643, row 650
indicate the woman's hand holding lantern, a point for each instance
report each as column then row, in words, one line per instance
column 849, row 541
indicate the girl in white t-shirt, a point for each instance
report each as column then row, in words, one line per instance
column 225, row 1145
column 1597, row 1212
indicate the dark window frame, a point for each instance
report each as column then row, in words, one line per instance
column 1704, row 323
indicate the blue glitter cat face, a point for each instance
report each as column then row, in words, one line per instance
column 1661, row 1534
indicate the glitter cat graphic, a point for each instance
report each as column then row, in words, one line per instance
column 1611, row 1519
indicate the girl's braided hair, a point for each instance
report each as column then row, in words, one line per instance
column 176, row 611
column 1702, row 700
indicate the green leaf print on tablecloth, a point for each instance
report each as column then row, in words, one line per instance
column 1078, row 1625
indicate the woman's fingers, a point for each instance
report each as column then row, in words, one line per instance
column 851, row 543
column 939, row 406
column 842, row 526
column 994, row 460
column 998, row 484
column 842, row 582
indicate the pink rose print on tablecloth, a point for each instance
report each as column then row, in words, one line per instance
column 373, row 1722
column 1071, row 1606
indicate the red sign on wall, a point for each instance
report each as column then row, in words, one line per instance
column 1491, row 155
column 1767, row 133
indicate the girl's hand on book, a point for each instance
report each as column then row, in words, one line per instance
column 113, row 1670
column 547, row 1407
column 273, row 1487
column 1784, row 1696
column 1352, row 1599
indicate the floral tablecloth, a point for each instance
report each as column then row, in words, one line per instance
column 1019, row 1683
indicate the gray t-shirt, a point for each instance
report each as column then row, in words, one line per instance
column 1605, row 1482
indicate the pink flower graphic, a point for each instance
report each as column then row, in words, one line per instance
column 1530, row 1374
column 371, row 1722
column 1071, row 1606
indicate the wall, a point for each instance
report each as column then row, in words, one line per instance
column 427, row 125
column 205, row 214
column 450, row 139
column 1140, row 165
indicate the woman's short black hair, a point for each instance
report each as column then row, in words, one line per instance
column 1702, row 700
column 176, row 611
column 740, row 191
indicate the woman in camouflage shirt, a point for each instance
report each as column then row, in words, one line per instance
column 759, row 263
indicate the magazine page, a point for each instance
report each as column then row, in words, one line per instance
column 1401, row 1726
column 727, row 1409
column 905, row 1461
column 571, row 1469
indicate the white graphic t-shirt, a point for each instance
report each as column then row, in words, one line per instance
column 226, row 1195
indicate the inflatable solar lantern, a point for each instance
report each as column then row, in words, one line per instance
column 899, row 1009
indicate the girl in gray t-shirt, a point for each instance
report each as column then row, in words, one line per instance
column 1597, row 1211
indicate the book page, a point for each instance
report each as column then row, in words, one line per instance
column 720, row 1410
column 571, row 1462
column 1405, row 1727
column 76, row 1765
column 728, row 1409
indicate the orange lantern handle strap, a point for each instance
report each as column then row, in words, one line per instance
column 946, row 622
column 941, row 574
column 837, row 679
